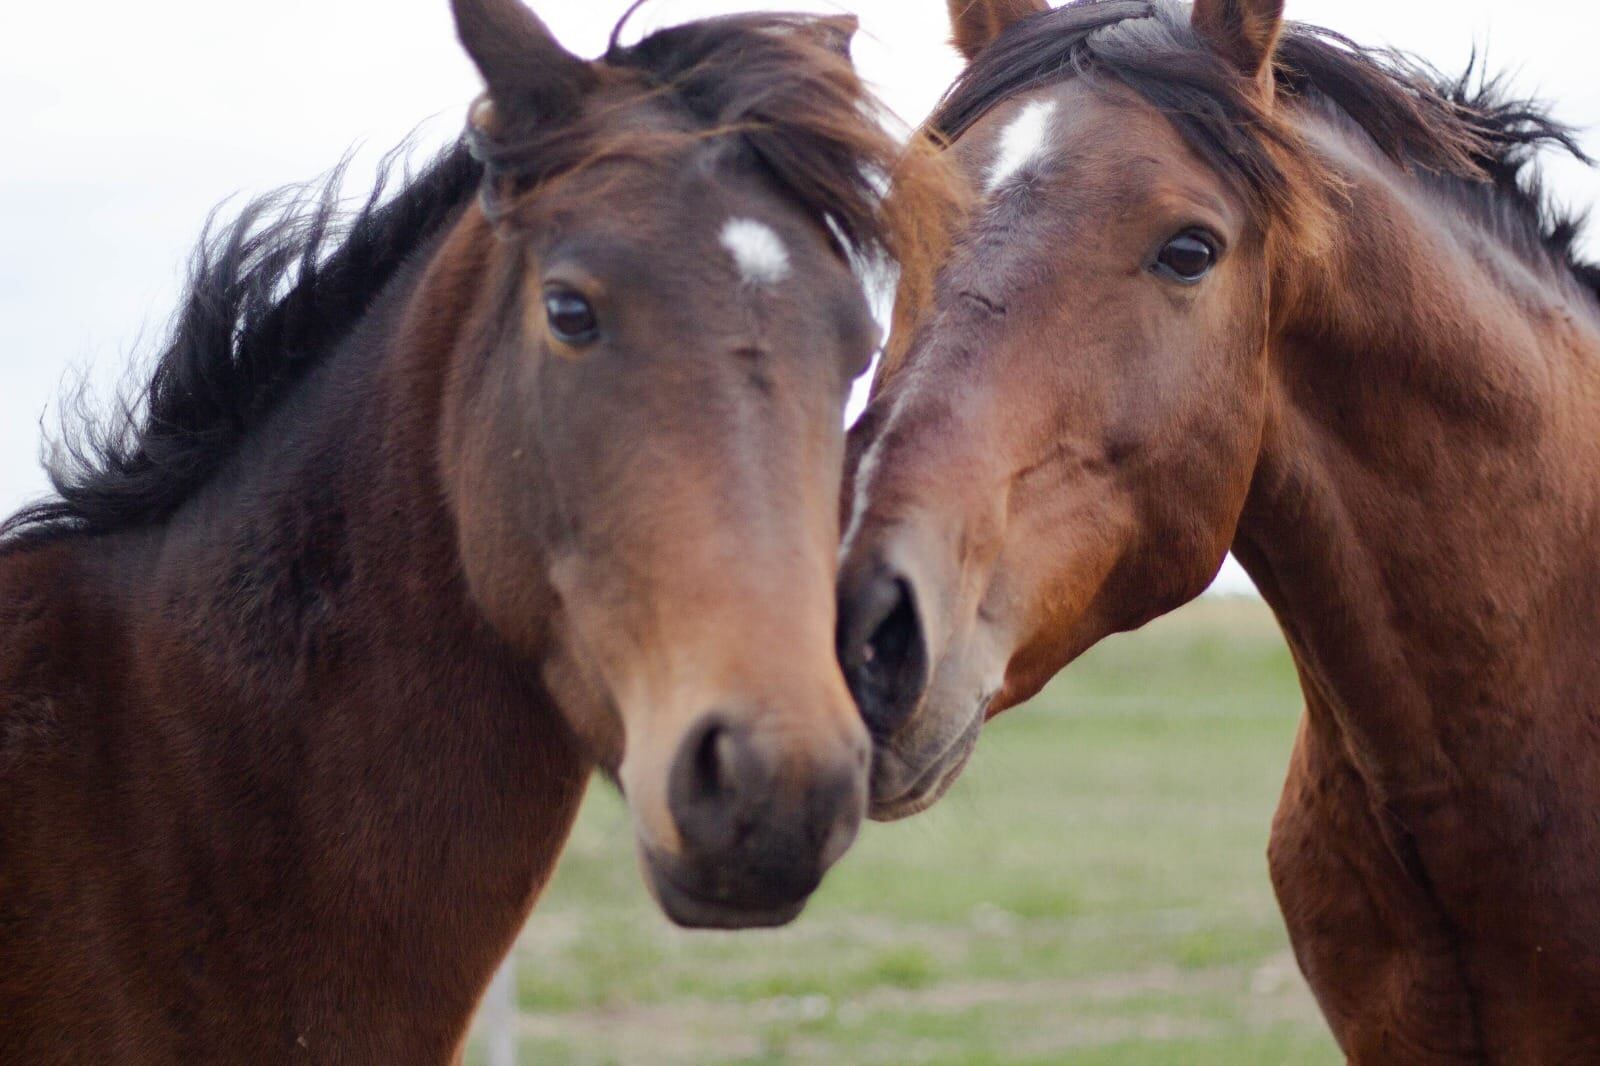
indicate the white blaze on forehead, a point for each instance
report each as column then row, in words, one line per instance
column 1022, row 141
column 756, row 247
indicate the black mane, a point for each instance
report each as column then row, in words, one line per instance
column 265, row 299
column 273, row 291
column 1472, row 140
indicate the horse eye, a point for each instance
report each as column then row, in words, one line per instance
column 1188, row 257
column 571, row 317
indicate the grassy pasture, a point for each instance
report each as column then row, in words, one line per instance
column 1093, row 892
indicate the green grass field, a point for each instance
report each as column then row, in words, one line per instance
column 1094, row 891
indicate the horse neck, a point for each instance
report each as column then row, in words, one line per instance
column 304, row 647
column 1425, row 509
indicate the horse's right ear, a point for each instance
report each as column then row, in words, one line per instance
column 974, row 24
column 529, row 75
column 1243, row 32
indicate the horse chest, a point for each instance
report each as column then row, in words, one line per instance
column 1444, row 932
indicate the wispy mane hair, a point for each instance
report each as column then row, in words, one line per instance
column 1467, row 134
column 272, row 292
column 269, row 293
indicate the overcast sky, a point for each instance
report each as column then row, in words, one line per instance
column 123, row 124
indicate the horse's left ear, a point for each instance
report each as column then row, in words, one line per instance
column 1245, row 32
column 529, row 75
column 834, row 32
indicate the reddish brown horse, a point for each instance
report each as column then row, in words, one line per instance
column 1236, row 283
column 303, row 673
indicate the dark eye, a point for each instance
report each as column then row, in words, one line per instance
column 1188, row 257
column 571, row 317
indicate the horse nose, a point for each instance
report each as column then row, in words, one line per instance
column 882, row 648
column 731, row 803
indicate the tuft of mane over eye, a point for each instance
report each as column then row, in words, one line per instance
column 1188, row 257
column 571, row 317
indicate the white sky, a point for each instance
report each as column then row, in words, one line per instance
column 123, row 124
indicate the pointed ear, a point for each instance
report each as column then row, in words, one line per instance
column 838, row 32
column 974, row 24
column 1245, row 32
column 528, row 74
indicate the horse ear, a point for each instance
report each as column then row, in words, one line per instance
column 836, row 32
column 1245, row 32
column 528, row 74
column 974, row 24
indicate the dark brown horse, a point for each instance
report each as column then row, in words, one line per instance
column 530, row 469
column 1236, row 283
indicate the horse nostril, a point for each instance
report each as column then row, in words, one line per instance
column 715, row 779
column 703, row 785
column 883, row 652
column 709, row 778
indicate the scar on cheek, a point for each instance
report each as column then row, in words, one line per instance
column 759, row 252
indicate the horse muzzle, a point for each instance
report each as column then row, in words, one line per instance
column 757, row 826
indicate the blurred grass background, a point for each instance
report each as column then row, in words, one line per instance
column 1093, row 892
